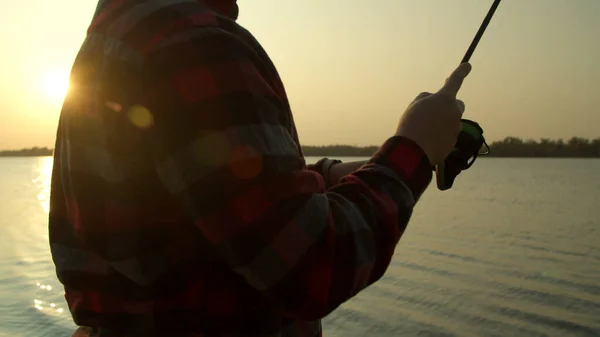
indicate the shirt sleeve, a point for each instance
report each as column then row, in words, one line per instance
column 224, row 150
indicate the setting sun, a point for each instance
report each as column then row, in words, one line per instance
column 56, row 85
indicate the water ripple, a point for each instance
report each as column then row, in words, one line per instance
column 573, row 329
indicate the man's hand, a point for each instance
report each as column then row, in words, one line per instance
column 433, row 120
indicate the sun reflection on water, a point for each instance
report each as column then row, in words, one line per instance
column 45, row 306
column 43, row 181
column 46, row 299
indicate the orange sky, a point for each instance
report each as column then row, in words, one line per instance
column 351, row 67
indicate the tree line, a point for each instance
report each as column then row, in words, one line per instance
column 29, row 152
column 576, row 147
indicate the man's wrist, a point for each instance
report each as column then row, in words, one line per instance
column 324, row 166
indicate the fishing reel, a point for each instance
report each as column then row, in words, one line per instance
column 468, row 147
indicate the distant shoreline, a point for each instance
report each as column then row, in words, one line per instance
column 30, row 152
column 510, row 147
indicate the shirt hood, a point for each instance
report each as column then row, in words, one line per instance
column 226, row 7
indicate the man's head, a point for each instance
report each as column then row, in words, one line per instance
column 227, row 7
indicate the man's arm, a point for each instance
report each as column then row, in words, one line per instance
column 222, row 150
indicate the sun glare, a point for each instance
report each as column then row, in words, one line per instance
column 56, row 85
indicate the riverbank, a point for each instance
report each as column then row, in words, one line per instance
column 510, row 147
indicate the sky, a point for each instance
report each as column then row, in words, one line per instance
column 351, row 67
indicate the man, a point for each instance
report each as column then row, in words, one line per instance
column 181, row 204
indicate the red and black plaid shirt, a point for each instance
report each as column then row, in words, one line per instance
column 181, row 204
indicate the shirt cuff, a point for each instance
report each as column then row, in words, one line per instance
column 408, row 160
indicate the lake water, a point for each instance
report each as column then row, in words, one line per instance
column 512, row 250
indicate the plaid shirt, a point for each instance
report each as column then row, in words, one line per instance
column 181, row 204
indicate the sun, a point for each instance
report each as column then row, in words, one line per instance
column 56, row 84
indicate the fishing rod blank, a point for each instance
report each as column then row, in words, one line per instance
column 470, row 140
column 482, row 29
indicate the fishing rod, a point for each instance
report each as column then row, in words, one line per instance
column 470, row 140
column 484, row 25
